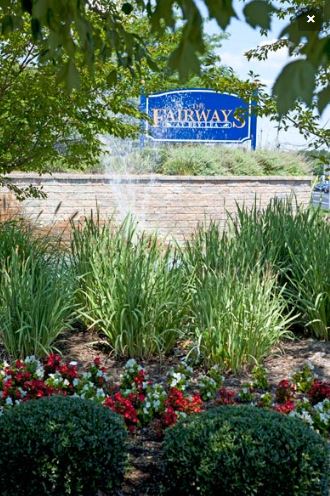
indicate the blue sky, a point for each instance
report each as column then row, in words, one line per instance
column 241, row 39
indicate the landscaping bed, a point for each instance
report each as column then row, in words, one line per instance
column 142, row 478
column 83, row 350
column 226, row 336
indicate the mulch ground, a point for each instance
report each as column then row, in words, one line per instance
column 143, row 477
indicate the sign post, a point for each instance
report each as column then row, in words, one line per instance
column 198, row 115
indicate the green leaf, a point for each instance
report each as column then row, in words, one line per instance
column 112, row 77
column 258, row 13
column 221, row 10
column 296, row 81
column 323, row 99
column 7, row 24
column 73, row 77
column 35, row 28
column 185, row 60
column 70, row 75
column 27, row 6
column 127, row 8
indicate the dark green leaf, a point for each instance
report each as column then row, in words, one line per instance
column 27, row 6
column 35, row 28
column 73, row 78
column 258, row 13
column 221, row 10
column 323, row 99
column 112, row 77
column 127, row 8
column 296, row 81
column 185, row 60
column 7, row 24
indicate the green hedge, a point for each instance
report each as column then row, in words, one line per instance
column 205, row 160
column 61, row 446
column 244, row 451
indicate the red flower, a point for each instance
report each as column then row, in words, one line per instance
column 52, row 363
column 286, row 407
column 97, row 361
column 169, row 417
column 36, row 389
column 124, row 407
column 226, row 396
column 178, row 402
column 319, row 391
column 68, row 371
column 284, row 391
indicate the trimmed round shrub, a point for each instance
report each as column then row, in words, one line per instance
column 244, row 451
column 59, row 446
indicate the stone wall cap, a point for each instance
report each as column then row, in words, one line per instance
column 143, row 178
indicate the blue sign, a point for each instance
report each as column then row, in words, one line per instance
column 199, row 115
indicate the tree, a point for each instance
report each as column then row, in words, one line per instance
column 303, row 87
column 42, row 126
column 40, row 123
column 71, row 36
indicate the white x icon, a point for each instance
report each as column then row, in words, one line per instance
column 310, row 18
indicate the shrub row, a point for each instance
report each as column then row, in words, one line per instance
column 242, row 451
column 196, row 160
column 63, row 446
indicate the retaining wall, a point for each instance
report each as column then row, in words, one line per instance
column 172, row 205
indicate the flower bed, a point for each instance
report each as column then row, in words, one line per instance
column 143, row 402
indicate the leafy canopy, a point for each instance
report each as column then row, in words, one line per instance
column 72, row 38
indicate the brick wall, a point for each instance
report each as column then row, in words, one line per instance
column 171, row 204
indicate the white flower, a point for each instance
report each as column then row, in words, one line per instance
column 9, row 401
column 40, row 372
column 304, row 415
column 325, row 404
column 100, row 393
column 75, row 382
column 324, row 417
column 30, row 359
column 130, row 363
column 73, row 363
column 23, row 393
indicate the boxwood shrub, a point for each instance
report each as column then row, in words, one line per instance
column 244, row 451
column 61, row 446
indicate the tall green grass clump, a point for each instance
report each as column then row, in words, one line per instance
column 130, row 288
column 295, row 242
column 238, row 313
column 35, row 292
column 18, row 235
column 238, row 318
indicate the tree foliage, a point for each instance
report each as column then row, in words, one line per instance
column 40, row 123
column 71, row 36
